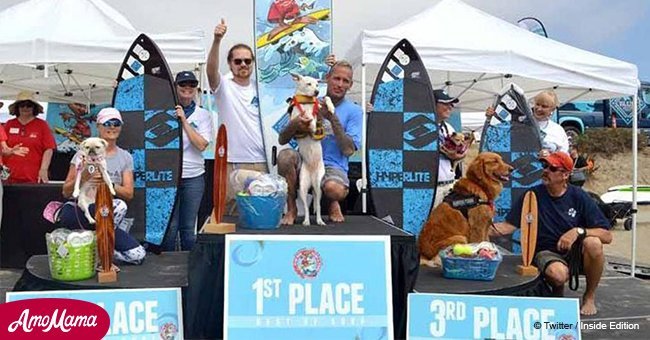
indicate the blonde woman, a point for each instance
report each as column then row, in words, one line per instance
column 554, row 138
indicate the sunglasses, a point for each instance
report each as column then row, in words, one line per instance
column 552, row 168
column 112, row 123
column 25, row 104
column 246, row 61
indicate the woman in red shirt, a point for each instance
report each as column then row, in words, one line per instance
column 31, row 139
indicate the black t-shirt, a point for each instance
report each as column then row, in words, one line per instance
column 557, row 215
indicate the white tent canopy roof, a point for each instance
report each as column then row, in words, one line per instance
column 84, row 41
column 460, row 44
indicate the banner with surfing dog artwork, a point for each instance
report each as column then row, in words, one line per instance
column 291, row 36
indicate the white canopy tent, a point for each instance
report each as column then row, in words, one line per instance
column 70, row 50
column 473, row 55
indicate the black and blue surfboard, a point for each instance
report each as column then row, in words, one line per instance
column 402, row 141
column 146, row 97
column 514, row 134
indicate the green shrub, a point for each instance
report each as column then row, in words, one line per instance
column 606, row 142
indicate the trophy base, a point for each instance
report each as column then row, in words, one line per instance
column 527, row 270
column 107, row 277
column 218, row 228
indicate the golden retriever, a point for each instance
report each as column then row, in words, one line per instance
column 447, row 225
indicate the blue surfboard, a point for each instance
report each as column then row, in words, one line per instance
column 146, row 97
column 402, row 141
column 514, row 134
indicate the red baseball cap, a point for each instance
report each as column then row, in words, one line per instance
column 559, row 159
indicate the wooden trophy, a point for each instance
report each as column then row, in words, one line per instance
column 215, row 224
column 105, row 230
column 528, row 226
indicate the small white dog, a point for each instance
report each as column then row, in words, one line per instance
column 312, row 169
column 93, row 151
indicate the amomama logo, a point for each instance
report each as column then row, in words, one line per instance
column 52, row 319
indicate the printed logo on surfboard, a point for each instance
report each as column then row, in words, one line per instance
column 419, row 131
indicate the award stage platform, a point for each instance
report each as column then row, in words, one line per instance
column 506, row 282
column 204, row 298
column 200, row 274
column 157, row 271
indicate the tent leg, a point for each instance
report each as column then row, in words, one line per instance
column 635, row 160
column 364, row 186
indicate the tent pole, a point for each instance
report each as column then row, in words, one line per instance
column 201, row 85
column 474, row 81
column 635, row 159
column 364, row 207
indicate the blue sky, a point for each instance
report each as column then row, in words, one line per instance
column 617, row 29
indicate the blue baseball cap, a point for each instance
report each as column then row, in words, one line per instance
column 186, row 77
column 441, row 96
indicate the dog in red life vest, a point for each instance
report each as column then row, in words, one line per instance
column 312, row 169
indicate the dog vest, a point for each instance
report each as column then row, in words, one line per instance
column 295, row 102
column 464, row 202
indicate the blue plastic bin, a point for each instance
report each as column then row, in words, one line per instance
column 469, row 268
column 260, row 212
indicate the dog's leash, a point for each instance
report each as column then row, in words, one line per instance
column 574, row 260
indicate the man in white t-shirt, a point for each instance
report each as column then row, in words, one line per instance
column 237, row 105
column 446, row 173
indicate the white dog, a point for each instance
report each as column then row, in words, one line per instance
column 93, row 158
column 312, row 168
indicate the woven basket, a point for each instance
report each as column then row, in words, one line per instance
column 478, row 269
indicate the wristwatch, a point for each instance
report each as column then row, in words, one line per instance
column 581, row 232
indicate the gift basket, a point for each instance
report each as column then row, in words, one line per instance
column 261, row 202
column 474, row 261
column 71, row 254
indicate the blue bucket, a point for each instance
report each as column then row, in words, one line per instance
column 260, row 212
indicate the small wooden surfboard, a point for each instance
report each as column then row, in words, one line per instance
column 528, row 225
column 105, row 230
column 220, row 185
column 220, row 175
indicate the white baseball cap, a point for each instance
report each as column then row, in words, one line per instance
column 107, row 114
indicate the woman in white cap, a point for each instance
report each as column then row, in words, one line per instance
column 119, row 163
column 197, row 132
column 30, row 140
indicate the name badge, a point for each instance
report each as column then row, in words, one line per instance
column 14, row 131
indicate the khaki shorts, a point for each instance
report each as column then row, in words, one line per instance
column 335, row 174
column 545, row 257
column 331, row 174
